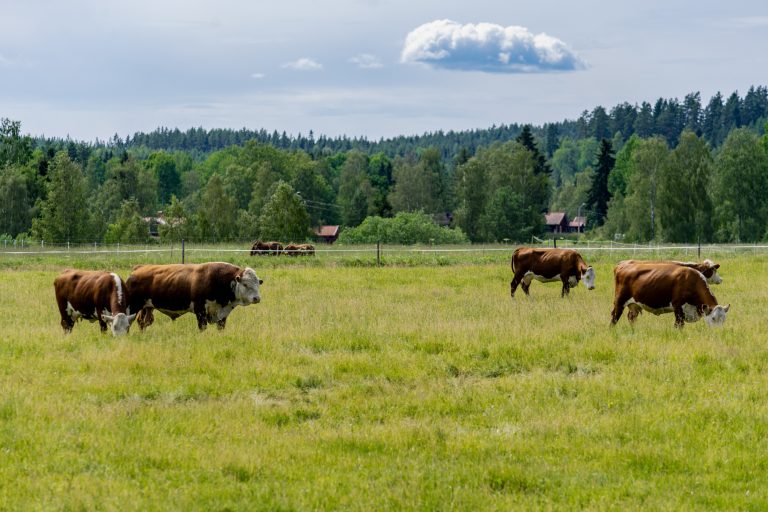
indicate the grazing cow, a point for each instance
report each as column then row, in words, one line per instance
column 706, row 267
column 664, row 288
column 306, row 249
column 95, row 296
column 291, row 250
column 209, row 290
column 299, row 250
column 260, row 248
column 548, row 265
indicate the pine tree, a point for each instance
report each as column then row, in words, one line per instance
column 598, row 196
column 540, row 164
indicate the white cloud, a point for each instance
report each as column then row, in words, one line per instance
column 258, row 75
column 303, row 64
column 366, row 61
column 487, row 47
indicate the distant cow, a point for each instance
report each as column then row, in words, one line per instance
column 95, row 296
column 260, row 248
column 548, row 265
column 299, row 250
column 209, row 290
column 664, row 288
column 707, row 267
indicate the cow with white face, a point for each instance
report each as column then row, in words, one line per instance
column 665, row 288
column 209, row 290
column 550, row 265
column 95, row 296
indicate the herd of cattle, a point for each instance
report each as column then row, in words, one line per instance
column 655, row 286
column 212, row 290
column 260, row 248
column 209, row 290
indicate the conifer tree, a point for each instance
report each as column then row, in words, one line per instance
column 598, row 196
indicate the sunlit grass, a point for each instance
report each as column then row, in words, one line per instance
column 399, row 387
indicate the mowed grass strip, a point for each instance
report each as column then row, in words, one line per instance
column 388, row 388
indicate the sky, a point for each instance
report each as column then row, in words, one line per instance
column 90, row 69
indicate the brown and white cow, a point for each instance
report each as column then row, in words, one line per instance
column 706, row 267
column 95, row 296
column 548, row 265
column 664, row 288
column 299, row 250
column 260, row 248
column 209, row 290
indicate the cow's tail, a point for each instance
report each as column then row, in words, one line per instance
column 514, row 257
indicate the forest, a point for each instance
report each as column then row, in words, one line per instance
column 673, row 171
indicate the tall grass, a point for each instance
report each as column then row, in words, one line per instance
column 364, row 388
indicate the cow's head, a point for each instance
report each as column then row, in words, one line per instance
column 715, row 317
column 588, row 276
column 711, row 272
column 119, row 323
column 246, row 287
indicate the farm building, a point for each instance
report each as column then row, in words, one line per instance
column 557, row 222
column 327, row 234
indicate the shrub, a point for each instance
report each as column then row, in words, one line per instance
column 404, row 228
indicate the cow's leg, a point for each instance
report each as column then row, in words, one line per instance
column 202, row 318
column 618, row 308
column 145, row 318
column 66, row 321
column 516, row 279
column 221, row 324
column 566, row 285
column 679, row 315
column 102, row 324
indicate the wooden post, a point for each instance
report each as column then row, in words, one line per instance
column 378, row 253
column 182, row 250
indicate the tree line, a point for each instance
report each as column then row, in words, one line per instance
column 699, row 185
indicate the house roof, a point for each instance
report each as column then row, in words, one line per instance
column 327, row 230
column 578, row 222
column 555, row 218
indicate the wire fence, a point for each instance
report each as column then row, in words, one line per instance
column 374, row 254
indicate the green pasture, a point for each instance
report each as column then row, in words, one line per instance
column 418, row 385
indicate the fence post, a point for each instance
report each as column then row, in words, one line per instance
column 378, row 253
column 699, row 244
column 182, row 250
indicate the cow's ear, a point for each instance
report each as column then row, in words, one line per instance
column 726, row 308
column 261, row 281
column 717, row 266
column 705, row 309
column 238, row 277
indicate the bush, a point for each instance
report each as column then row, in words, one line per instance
column 404, row 228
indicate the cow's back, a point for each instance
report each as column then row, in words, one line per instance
column 658, row 285
column 546, row 262
column 87, row 290
column 176, row 286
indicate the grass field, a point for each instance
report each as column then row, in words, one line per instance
column 394, row 388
